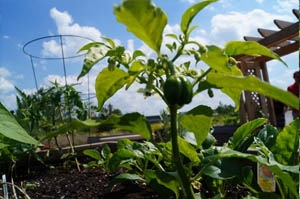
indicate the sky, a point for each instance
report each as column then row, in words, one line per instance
column 24, row 20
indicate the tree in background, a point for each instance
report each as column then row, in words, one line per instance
column 225, row 115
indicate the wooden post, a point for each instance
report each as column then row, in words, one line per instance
column 250, row 108
column 262, row 98
column 272, row 116
column 242, row 110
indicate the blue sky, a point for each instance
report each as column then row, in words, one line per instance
column 24, row 20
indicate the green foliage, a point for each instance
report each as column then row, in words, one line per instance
column 287, row 144
column 186, row 159
column 10, row 128
column 198, row 120
column 251, row 48
column 144, row 20
column 190, row 13
column 96, row 52
column 225, row 115
column 251, row 83
column 113, row 81
column 244, row 132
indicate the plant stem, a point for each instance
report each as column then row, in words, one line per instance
column 69, row 141
column 188, row 190
column 280, row 189
column 199, row 174
column 201, row 77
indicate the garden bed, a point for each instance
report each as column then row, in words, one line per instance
column 91, row 183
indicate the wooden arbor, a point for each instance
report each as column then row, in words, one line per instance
column 283, row 42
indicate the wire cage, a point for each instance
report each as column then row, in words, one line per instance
column 60, row 55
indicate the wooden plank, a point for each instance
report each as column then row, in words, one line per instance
column 284, row 43
column 249, row 38
column 282, row 24
column 265, row 32
column 242, row 110
column 277, row 38
column 296, row 13
column 281, row 52
column 296, row 38
column 282, row 35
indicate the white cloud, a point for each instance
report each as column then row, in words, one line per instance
column 19, row 76
column 9, row 101
column 51, row 48
column 65, row 26
column 235, row 25
column 6, row 37
column 130, row 46
column 20, row 46
column 189, row 1
column 4, row 72
column 260, row 1
column 286, row 5
column 5, row 84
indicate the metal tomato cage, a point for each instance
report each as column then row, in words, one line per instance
column 63, row 57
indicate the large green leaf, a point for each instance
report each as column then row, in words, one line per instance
column 198, row 120
column 225, row 169
column 93, row 153
column 279, row 170
column 169, row 181
column 10, row 128
column 122, row 154
column 287, row 144
column 186, row 149
column 96, row 52
column 3, row 145
column 251, row 83
column 251, row 48
column 191, row 12
column 151, row 180
column 218, row 60
column 144, row 20
column 244, row 131
column 133, row 122
column 268, row 135
column 108, row 83
column 124, row 177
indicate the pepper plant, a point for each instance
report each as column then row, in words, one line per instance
column 176, row 83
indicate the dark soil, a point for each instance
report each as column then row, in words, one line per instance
column 89, row 183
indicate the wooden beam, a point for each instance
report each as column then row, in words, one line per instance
column 282, row 24
column 265, row 32
column 248, row 38
column 248, row 100
column 272, row 116
column 296, row 13
column 277, row 38
column 295, row 38
column 281, row 52
column 282, row 35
